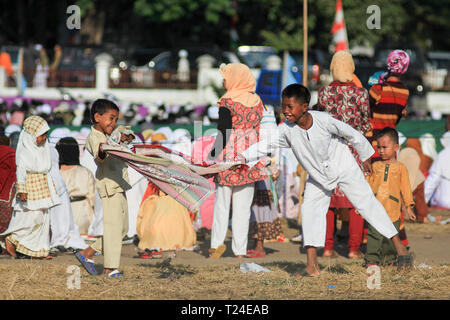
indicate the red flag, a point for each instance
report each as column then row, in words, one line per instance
column 338, row 30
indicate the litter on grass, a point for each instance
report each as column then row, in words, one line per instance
column 424, row 266
column 252, row 267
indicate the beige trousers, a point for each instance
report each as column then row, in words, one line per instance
column 115, row 227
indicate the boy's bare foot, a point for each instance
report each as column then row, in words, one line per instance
column 312, row 271
column 88, row 253
column 108, row 271
column 10, row 248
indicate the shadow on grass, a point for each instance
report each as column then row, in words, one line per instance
column 293, row 224
column 205, row 246
column 170, row 271
column 295, row 269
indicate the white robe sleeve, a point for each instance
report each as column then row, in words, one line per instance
column 276, row 139
column 21, row 173
column 354, row 137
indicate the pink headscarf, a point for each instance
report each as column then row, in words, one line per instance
column 397, row 61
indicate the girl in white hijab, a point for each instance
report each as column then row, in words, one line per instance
column 29, row 230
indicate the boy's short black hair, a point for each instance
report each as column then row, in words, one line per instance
column 388, row 131
column 101, row 106
column 298, row 92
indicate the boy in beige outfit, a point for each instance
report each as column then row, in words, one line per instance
column 111, row 182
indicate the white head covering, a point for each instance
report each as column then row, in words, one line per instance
column 401, row 138
column 12, row 128
column 181, row 135
column 44, row 108
column 411, row 159
column 213, row 112
column 58, row 134
column 29, row 155
column 428, row 145
column 445, row 140
column 165, row 131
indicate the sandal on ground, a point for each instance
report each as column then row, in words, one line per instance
column 218, row 252
column 114, row 274
column 404, row 262
column 87, row 263
column 254, row 254
column 330, row 254
column 355, row 255
column 281, row 238
column 297, row 239
column 149, row 254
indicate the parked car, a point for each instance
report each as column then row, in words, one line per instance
column 168, row 60
column 437, row 71
column 161, row 69
column 318, row 67
column 255, row 56
column 77, row 66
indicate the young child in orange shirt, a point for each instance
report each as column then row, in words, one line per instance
column 390, row 184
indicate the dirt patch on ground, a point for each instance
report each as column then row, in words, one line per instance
column 189, row 275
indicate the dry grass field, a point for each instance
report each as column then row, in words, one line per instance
column 190, row 276
column 169, row 281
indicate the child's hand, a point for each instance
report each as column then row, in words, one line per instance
column 367, row 167
column 101, row 153
column 411, row 214
column 22, row 197
column 126, row 137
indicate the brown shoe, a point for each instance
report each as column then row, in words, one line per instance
column 218, row 252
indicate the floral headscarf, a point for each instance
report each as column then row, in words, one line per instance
column 397, row 62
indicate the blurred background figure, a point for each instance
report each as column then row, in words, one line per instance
column 80, row 183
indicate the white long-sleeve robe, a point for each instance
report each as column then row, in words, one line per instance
column 437, row 184
column 325, row 155
column 319, row 149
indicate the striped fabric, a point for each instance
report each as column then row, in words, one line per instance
column 387, row 102
column 42, row 253
column 338, row 30
column 172, row 172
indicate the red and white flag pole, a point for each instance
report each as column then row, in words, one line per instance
column 338, row 30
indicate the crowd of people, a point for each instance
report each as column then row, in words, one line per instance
column 341, row 158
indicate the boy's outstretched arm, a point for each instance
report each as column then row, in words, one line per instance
column 355, row 138
column 276, row 139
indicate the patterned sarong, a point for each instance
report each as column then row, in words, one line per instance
column 171, row 171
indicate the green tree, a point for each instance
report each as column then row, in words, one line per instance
column 187, row 22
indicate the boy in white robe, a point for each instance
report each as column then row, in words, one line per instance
column 317, row 140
